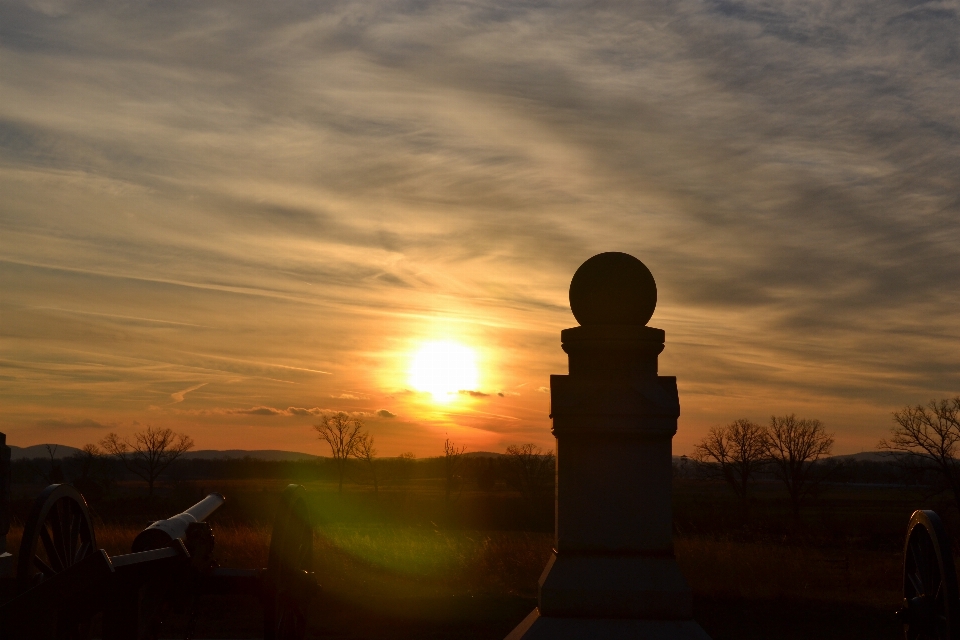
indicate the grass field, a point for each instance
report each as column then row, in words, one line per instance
column 420, row 582
column 406, row 564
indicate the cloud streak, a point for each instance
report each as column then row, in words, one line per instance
column 178, row 396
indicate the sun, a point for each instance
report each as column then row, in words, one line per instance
column 443, row 369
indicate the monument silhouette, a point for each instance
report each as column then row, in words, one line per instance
column 613, row 573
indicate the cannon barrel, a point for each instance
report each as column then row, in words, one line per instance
column 163, row 532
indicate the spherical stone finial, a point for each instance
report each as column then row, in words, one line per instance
column 613, row 288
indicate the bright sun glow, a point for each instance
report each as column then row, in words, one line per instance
column 443, row 369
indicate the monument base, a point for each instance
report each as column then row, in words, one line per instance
column 537, row 627
column 614, row 586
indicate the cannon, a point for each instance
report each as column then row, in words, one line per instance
column 62, row 575
column 931, row 602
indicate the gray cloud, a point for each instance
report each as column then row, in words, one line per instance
column 299, row 411
column 271, row 411
column 383, row 413
column 86, row 423
column 259, row 411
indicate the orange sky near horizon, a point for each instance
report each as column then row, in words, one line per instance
column 227, row 219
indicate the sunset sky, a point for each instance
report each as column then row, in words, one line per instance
column 229, row 217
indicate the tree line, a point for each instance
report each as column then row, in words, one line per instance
column 923, row 449
column 788, row 448
column 925, row 442
column 146, row 455
column 156, row 453
column 526, row 468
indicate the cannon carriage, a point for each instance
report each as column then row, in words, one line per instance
column 64, row 579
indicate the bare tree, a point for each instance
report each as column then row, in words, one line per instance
column 342, row 433
column 90, row 481
column 927, row 438
column 793, row 446
column 452, row 457
column 366, row 453
column 401, row 468
column 737, row 450
column 531, row 469
column 56, row 471
column 87, row 457
column 150, row 452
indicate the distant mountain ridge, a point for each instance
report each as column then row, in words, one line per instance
column 259, row 454
column 40, row 451
column 64, row 451
column 869, row 456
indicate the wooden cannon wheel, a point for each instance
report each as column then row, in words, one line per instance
column 289, row 579
column 931, row 603
column 57, row 534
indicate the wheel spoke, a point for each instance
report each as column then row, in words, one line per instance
column 65, row 516
column 917, row 563
column 74, row 534
column 55, row 522
column 916, row 583
column 82, row 552
column 50, row 548
column 80, row 526
column 44, row 567
column 927, row 572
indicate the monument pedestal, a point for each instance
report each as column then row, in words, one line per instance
column 537, row 627
column 613, row 574
column 614, row 587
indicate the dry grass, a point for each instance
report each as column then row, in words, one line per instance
column 762, row 571
column 113, row 538
column 411, row 560
column 415, row 582
column 427, row 562
column 432, row 562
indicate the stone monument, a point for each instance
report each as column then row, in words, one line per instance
column 613, row 573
